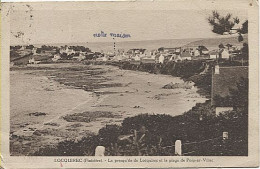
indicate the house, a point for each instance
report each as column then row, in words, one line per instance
column 119, row 57
column 204, row 51
column 214, row 54
column 190, row 49
column 67, row 50
column 79, row 56
column 159, row 58
column 196, row 53
column 234, row 29
column 185, row 56
column 32, row 61
column 34, row 51
column 147, row 60
column 56, row 57
column 223, row 54
column 225, row 33
column 153, row 53
column 225, row 79
column 104, row 59
column 176, row 50
column 135, row 62
column 133, row 52
column 137, row 58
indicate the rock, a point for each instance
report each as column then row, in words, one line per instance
column 37, row 114
column 185, row 85
column 37, row 133
column 168, row 86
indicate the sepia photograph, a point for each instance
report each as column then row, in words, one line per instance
column 128, row 82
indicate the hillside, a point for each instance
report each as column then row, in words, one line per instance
column 214, row 42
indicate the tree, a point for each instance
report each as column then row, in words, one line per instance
column 240, row 96
column 38, row 50
column 222, row 24
column 29, row 47
column 200, row 48
column 229, row 46
column 221, row 46
column 160, row 49
column 244, row 51
column 244, row 28
column 15, row 47
column 240, row 38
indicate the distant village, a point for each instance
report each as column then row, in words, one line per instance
column 223, row 78
column 22, row 55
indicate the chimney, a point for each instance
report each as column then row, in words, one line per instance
column 217, row 69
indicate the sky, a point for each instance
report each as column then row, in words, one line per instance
column 72, row 26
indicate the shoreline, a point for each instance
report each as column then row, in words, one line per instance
column 112, row 103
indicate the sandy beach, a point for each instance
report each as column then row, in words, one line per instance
column 48, row 105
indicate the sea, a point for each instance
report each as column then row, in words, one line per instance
column 126, row 45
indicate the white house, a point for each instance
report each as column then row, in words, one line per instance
column 205, row 51
column 33, row 61
column 224, row 54
column 225, row 33
column 197, row 52
column 161, row 58
column 81, row 57
column 104, row 59
column 235, row 29
column 34, row 51
column 56, row 57
column 213, row 54
column 137, row 58
column 67, row 50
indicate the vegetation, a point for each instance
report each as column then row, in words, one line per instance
column 80, row 48
column 244, row 28
column 154, row 135
column 238, row 97
column 14, row 55
column 88, row 116
column 222, row 24
column 15, row 47
column 29, row 47
column 199, row 130
column 188, row 70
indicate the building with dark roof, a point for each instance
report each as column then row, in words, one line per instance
column 185, row 56
column 224, row 80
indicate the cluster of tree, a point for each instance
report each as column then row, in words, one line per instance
column 244, row 28
column 29, row 47
column 153, row 135
column 65, row 56
column 14, row 54
column 48, row 48
column 245, row 51
column 201, row 48
column 221, row 24
column 131, row 51
column 80, row 48
column 15, row 47
column 238, row 98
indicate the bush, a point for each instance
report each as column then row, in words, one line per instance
column 154, row 133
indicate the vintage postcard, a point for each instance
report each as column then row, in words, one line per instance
column 151, row 84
